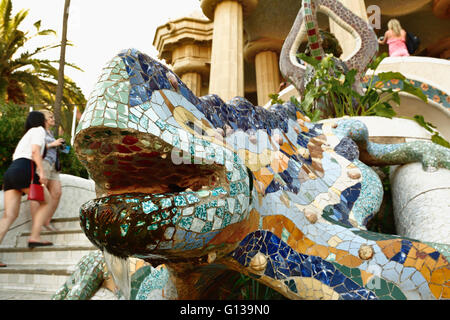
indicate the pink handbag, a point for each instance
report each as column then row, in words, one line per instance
column 36, row 191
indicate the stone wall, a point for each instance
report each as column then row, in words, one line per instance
column 75, row 192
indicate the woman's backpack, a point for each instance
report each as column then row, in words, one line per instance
column 412, row 42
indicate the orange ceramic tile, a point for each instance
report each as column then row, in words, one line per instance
column 446, row 272
column 301, row 246
column 292, row 242
column 289, row 225
column 365, row 276
column 446, row 292
column 304, row 245
column 430, row 262
column 425, row 271
column 436, row 290
column 264, row 175
column 304, row 129
column 411, row 258
column 349, row 261
column 421, row 247
column 268, row 220
column 279, row 162
column 440, row 276
column 273, row 226
column 283, row 222
column 322, row 251
column 441, row 262
column 410, row 262
column 419, row 263
column 390, row 247
column 286, row 147
column 297, row 235
column 312, row 251
column 301, row 116
column 447, row 283
column 341, row 254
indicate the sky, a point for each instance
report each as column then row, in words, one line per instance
column 99, row 29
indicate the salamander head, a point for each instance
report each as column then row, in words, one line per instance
column 166, row 183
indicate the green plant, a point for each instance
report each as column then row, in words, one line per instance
column 436, row 137
column 12, row 127
column 275, row 99
column 333, row 91
column 70, row 163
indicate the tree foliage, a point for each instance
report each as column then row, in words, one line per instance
column 26, row 79
column 12, row 128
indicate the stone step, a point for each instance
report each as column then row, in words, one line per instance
column 56, row 254
column 61, row 237
column 66, row 223
column 36, row 274
column 38, row 277
column 18, row 294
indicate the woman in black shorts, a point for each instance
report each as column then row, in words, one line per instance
column 16, row 180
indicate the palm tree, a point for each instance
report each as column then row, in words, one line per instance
column 25, row 78
column 62, row 61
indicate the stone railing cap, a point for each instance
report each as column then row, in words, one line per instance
column 251, row 49
column 208, row 6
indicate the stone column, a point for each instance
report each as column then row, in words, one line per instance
column 346, row 40
column 264, row 53
column 194, row 82
column 421, row 202
column 267, row 75
column 185, row 44
column 227, row 59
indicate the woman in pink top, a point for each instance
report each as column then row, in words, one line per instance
column 395, row 37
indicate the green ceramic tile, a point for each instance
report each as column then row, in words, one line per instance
column 110, row 123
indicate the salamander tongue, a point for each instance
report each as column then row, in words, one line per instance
column 120, row 270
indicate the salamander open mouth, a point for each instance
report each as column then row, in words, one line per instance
column 147, row 188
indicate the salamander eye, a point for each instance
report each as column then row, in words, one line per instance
column 173, row 80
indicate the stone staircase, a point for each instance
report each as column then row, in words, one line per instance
column 36, row 274
column 39, row 272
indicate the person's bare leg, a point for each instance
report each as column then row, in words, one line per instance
column 12, row 200
column 40, row 217
column 54, row 187
column 34, row 206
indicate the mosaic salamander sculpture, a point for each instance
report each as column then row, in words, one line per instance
column 202, row 186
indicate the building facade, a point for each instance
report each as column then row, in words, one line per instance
column 232, row 47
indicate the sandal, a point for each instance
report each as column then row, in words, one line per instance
column 34, row 244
